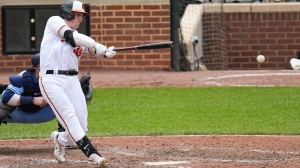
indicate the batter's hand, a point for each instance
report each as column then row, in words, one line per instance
column 100, row 49
column 110, row 52
column 39, row 101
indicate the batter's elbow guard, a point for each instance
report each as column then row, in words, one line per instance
column 68, row 35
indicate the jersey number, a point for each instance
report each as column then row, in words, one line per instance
column 78, row 51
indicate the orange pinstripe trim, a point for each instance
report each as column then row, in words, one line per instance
column 56, row 110
column 60, row 28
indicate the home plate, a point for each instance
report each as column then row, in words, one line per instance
column 164, row 163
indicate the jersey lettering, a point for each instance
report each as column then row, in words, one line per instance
column 78, row 51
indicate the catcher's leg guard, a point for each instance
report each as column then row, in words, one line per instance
column 86, row 146
column 5, row 111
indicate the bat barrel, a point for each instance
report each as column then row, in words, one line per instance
column 160, row 45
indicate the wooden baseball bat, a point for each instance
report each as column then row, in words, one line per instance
column 150, row 46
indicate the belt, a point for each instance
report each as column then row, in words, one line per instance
column 70, row 72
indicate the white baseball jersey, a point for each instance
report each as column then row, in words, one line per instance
column 55, row 52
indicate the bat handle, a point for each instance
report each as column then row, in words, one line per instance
column 125, row 48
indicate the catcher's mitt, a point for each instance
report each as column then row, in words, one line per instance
column 86, row 87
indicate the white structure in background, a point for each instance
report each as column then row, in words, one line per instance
column 191, row 34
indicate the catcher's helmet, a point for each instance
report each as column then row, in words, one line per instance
column 68, row 9
column 35, row 60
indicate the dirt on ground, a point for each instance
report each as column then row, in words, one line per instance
column 170, row 151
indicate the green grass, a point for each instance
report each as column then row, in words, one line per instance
column 181, row 111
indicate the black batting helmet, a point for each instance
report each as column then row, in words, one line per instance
column 68, row 9
column 35, row 60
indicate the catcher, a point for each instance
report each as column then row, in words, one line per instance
column 22, row 101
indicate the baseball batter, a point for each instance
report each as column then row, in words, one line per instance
column 61, row 49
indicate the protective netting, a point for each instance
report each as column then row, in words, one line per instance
column 202, row 35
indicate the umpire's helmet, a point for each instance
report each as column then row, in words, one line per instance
column 68, row 8
column 35, row 60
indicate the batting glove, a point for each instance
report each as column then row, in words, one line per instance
column 100, row 49
column 110, row 52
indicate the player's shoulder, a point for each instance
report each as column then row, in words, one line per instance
column 55, row 18
column 55, row 23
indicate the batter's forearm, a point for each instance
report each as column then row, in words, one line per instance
column 75, row 38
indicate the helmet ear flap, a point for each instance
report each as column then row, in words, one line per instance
column 67, row 14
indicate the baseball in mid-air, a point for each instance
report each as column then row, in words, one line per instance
column 260, row 58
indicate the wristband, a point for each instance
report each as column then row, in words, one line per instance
column 26, row 100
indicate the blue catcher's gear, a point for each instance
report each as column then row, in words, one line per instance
column 31, row 88
column 35, row 60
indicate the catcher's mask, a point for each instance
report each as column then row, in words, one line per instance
column 68, row 9
column 35, row 60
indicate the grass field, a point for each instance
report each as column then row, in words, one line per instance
column 181, row 111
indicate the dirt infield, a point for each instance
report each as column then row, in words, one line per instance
column 170, row 151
